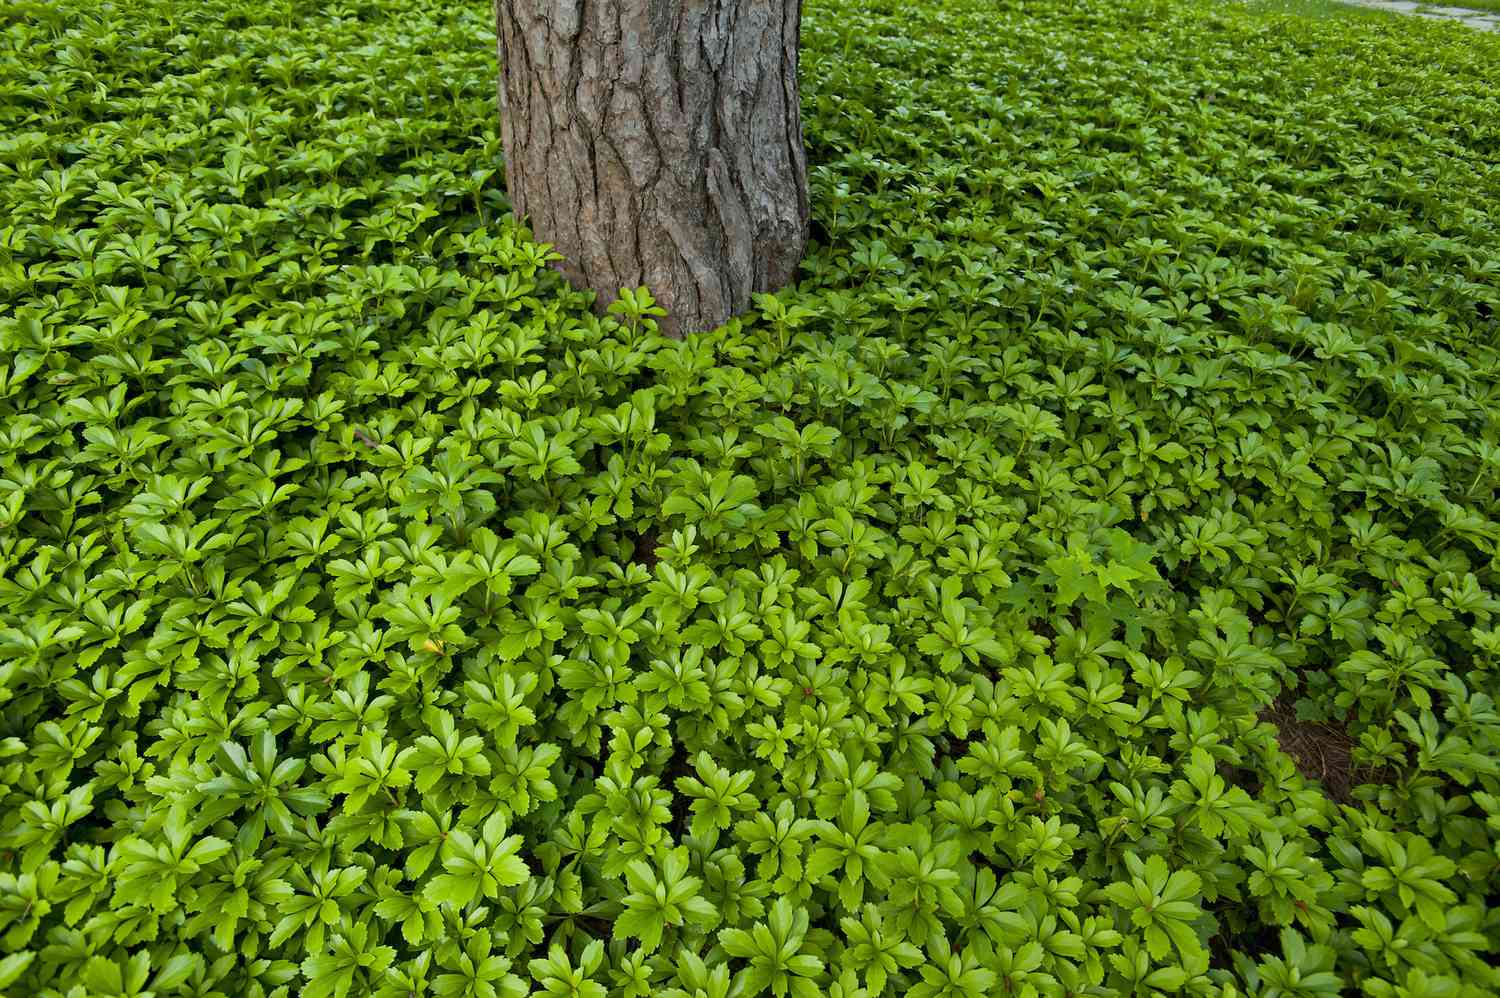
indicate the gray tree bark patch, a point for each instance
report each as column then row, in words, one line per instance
column 658, row 142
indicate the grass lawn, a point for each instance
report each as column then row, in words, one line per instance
column 1315, row 8
column 1084, row 580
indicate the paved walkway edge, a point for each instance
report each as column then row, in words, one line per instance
column 1477, row 19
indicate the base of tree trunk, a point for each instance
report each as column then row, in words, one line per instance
column 658, row 143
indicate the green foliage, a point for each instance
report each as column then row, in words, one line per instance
column 1083, row 582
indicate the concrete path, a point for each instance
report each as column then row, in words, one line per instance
column 1482, row 20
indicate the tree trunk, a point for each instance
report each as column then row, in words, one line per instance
column 658, row 142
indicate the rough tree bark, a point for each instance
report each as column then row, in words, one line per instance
column 658, row 142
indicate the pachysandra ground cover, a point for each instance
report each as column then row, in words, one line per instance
column 1083, row 582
